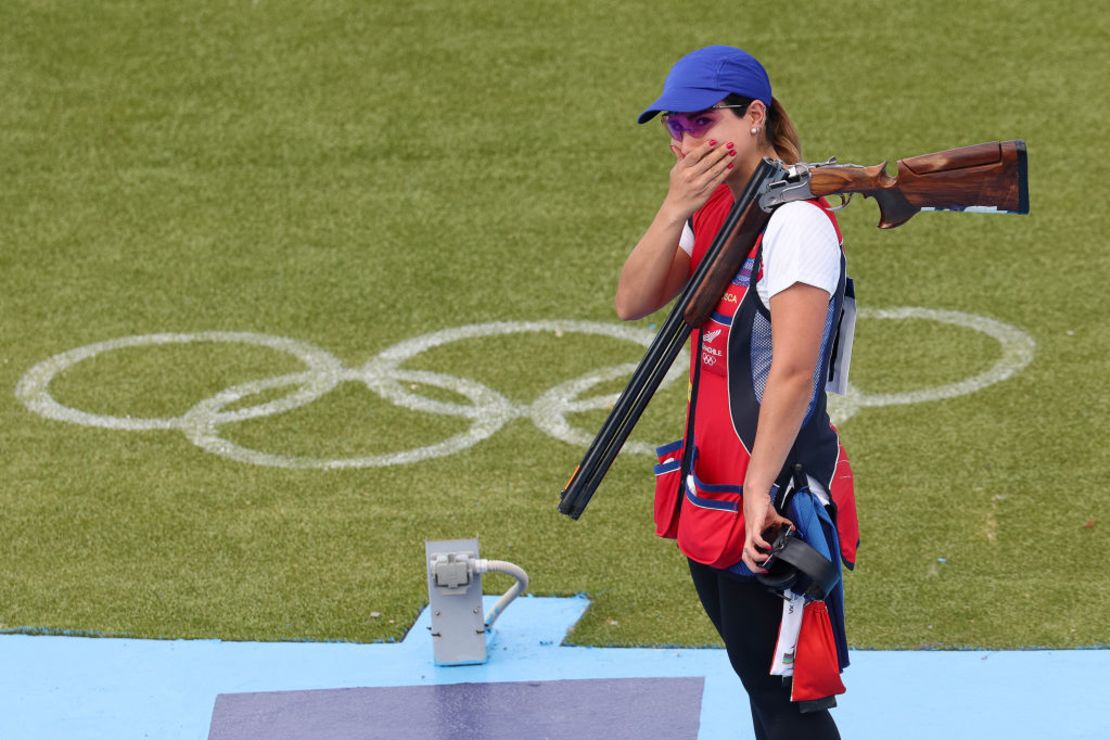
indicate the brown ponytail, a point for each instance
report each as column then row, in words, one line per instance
column 779, row 128
column 782, row 135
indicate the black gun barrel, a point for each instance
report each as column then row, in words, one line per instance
column 656, row 362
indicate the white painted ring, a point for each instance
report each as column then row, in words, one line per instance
column 550, row 410
column 204, row 431
column 33, row 389
column 1017, row 352
column 487, row 409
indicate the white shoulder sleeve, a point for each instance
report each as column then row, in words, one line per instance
column 686, row 241
column 799, row 246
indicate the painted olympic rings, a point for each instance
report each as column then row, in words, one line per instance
column 486, row 409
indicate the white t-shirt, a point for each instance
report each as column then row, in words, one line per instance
column 799, row 246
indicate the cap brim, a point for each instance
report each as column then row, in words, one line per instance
column 687, row 100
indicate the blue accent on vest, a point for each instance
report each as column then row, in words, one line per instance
column 717, row 487
column 720, row 318
column 668, row 467
column 761, row 354
column 744, row 276
column 660, row 451
column 708, row 503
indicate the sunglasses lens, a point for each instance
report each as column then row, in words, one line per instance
column 700, row 123
column 673, row 126
column 696, row 124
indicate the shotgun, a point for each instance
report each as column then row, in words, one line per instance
column 984, row 178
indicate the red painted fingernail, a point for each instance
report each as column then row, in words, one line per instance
column 712, row 142
column 732, row 152
column 729, row 166
column 729, row 145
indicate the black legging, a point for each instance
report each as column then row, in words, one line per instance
column 747, row 617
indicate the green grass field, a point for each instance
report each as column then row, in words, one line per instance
column 352, row 175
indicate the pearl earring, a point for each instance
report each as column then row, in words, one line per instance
column 755, row 130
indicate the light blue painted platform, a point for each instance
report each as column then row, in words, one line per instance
column 76, row 688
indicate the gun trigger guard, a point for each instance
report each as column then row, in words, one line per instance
column 845, row 199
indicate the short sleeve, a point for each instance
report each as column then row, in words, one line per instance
column 799, row 246
column 686, row 241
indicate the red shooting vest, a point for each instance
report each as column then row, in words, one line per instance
column 705, row 512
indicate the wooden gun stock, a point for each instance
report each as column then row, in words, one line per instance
column 987, row 177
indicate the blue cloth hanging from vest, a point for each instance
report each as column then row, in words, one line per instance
column 815, row 525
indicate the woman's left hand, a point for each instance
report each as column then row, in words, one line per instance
column 759, row 515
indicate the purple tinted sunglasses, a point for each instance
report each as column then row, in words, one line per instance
column 694, row 124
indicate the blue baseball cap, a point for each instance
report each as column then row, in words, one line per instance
column 704, row 77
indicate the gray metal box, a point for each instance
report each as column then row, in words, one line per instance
column 455, row 602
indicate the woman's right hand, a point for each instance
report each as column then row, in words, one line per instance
column 657, row 268
column 759, row 517
column 697, row 174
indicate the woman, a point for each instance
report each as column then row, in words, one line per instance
column 758, row 363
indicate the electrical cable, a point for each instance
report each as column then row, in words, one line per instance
column 501, row 566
